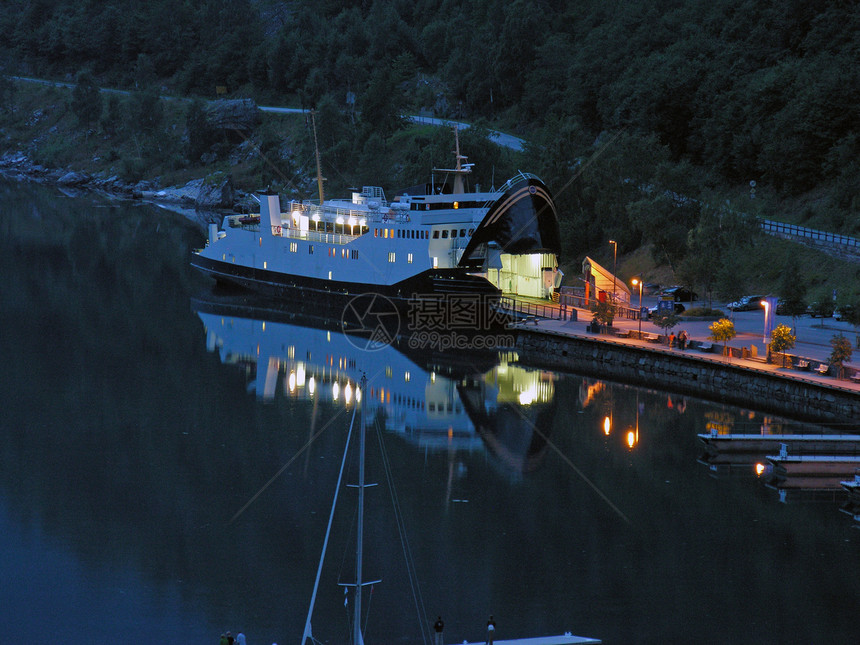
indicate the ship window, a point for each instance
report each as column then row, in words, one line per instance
column 409, row 258
column 293, row 247
column 354, row 254
column 391, row 256
column 343, row 253
column 454, row 233
column 310, row 249
column 435, row 263
column 265, row 264
column 462, row 232
column 471, row 231
column 261, row 241
column 435, row 235
column 445, row 234
column 376, row 232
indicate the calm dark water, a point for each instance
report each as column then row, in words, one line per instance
column 143, row 425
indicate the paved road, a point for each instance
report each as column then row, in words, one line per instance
column 813, row 340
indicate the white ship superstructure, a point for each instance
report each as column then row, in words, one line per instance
column 434, row 240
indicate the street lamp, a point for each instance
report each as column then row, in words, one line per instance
column 639, row 282
column 766, row 305
column 614, row 263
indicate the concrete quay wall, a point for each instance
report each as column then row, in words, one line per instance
column 689, row 373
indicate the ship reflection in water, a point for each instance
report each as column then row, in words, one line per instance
column 434, row 401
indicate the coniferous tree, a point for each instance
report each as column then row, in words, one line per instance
column 86, row 100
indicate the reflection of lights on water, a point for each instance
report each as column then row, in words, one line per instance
column 335, row 391
column 312, row 385
column 358, row 395
column 631, row 439
column 292, row 382
column 527, row 397
column 347, row 393
column 607, row 426
column 759, row 469
column 300, row 375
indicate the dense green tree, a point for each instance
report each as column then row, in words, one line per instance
column 665, row 319
column 200, row 133
column 841, row 353
column 781, row 340
column 86, row 100
column 792, row 290
column 722, row 331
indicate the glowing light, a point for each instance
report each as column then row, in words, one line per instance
column 406, row 376
column 759, row 469
column 315, row 218
column 335, row 390
column 351, row 221
column 292, row 382
column 312, row 385
column 607, row 426
column 339, row 220
column 527, row 397
column 358, row 395
column 631, row 439
column 347, row 393
column 300, row 375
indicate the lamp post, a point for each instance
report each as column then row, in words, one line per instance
column 614, row 263
column 639, row 282
column 766, row 305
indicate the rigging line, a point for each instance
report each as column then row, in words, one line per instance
column 573, row 467
column 407, row 551
column 328, row 528
column 268, row 162
column 286, row 465
column 575, row 176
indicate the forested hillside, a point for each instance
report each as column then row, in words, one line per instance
column 645, row 118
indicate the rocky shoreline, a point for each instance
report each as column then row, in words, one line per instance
column 202, row 200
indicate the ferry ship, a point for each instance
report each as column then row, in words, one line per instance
column 431, row 240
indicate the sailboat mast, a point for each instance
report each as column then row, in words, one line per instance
column 359, row 542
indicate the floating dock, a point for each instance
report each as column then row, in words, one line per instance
column 811, row 471
column 743, row 450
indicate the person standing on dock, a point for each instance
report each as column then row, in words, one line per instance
column 438, row 627
column 491, row 630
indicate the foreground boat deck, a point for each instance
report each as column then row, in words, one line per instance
column 562, row 639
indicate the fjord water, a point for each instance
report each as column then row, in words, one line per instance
column 156, row 484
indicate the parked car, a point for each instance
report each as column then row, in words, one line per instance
column 745, row 303
column 782, row 308
column 821, row 308
column 844, row 311
column 679, row 294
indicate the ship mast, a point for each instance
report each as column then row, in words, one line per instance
column 460, row 169
column 317, row 152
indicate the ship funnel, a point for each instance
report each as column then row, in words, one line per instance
column 270, row 209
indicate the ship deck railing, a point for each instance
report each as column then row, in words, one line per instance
column 318, row 236
column 328, row 214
